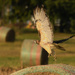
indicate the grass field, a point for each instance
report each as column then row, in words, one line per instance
column 10, row 52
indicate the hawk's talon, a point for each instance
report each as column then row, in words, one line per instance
column 49, row 55
column 55, row 58
column 37, row 42
column 34, row 41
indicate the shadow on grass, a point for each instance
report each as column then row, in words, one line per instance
column 70, row 52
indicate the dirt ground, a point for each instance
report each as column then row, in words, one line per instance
column 8, row 71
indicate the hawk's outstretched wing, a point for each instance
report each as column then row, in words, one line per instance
column 43, row 25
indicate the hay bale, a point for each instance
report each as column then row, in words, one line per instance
column 7, row 34
column 33, row 54
column 60, row 69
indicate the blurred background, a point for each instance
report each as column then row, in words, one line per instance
column 17, row 14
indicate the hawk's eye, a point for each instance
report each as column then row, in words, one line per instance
column 36, row 21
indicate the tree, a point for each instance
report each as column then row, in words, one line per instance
column 4, row 5
column 56, row 9
column 63, row 9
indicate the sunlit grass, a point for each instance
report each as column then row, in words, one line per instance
column 70, row 60
column 10, row 51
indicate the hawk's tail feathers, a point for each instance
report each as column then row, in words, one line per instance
column 59, row 47
column 63, row 40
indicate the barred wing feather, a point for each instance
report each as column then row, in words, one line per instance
column 43, row 25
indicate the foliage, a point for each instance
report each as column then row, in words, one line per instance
column 63, row 9
column 22, row 10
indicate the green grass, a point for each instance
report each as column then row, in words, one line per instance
column 70, row 60
column 10, row 62
column 10, row 51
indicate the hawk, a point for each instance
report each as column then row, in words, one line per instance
column 45, row 30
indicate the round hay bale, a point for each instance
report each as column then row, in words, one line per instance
column 33, row 54
column 57, row 69
column 7, row 34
